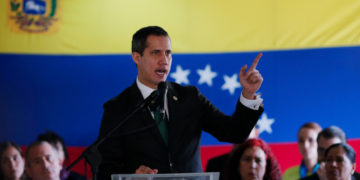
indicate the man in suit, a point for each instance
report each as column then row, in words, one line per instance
column 146, row 145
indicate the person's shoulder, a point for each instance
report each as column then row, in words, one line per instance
column 180, row 89
column 291, row 173
column 123, row 96
column 220, row 158
column 356, row 176
column 75, row 176
column 217, row 163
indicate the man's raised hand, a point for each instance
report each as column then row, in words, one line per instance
column 250, row 80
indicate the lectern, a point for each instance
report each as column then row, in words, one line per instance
column 175, row 176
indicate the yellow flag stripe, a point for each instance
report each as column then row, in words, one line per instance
column 195, row 26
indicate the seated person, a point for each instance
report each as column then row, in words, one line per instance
column 252, row 160
column 42, row 161
column 56, row 141
column 218, row 163
column 326, row 138
column 307, row 144
column 12, row 162
column 339, row 162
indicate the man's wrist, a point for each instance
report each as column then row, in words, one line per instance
column 249, row 96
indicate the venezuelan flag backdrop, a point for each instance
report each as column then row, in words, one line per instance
column 61, row 60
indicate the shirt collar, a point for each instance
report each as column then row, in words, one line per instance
column 145, row 90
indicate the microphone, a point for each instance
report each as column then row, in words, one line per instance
column 157, row 97
column 162, row 87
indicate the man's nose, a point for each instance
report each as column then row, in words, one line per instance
column 44, row 163
column 164, row 58
column 333, row 163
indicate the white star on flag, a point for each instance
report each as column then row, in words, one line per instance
column 264, row 124
column 180, row 75
column 206, row 75
column 231, row 83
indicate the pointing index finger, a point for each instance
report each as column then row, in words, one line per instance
column 256, row 61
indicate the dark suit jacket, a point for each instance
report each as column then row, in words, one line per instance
column 189, row 114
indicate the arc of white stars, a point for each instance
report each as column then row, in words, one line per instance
column 206, row 75
column 181, row 76
column 231, row 83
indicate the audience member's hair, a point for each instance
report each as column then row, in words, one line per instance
column 140, row 37
column 311, row 125
column 349, row 151
column 53, row 139
column 272, row 170
column 332, row 132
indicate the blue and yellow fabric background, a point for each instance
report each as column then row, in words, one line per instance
column 59, row 80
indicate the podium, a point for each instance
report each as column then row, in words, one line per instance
column 175, row 176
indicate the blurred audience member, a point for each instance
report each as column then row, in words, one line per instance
column 339, row 162
column 326, row 138
column 252, row 160
column 218, row 163
column 307, row 144
column 12, row 162
column 56, row 141
column 42, row 162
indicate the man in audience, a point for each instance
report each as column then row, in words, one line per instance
column 326, row 138
column 42, row 162
column 55, row 140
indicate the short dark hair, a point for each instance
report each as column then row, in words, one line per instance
column 332, row 132
column 3, row 147
column 53, row 138
column 140, row 37
column 350, row 153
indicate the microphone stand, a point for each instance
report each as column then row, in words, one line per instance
column 92, row 154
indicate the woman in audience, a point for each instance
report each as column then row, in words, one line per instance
column 307, row 144
column 252, row 160
column 339, row 162
column 12, row 162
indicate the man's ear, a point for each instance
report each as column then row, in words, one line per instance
column 136, row 57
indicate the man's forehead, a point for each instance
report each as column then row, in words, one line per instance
column 155, row 41
column 42, row 150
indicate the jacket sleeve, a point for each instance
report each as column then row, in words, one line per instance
column 233, row 129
